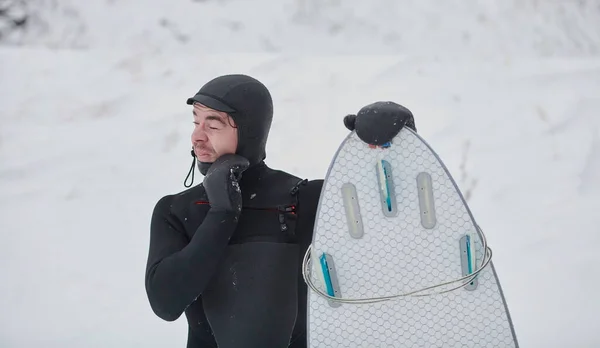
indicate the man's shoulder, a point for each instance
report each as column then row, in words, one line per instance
column 281, row 173
column 309, row 193
column 281, row 180
column 296, row 180
column 307, row 190
column 315, row 184
column 311, row 187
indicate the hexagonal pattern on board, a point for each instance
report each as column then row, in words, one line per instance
column 397, row 255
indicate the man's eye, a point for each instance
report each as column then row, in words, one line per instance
column 214, row 125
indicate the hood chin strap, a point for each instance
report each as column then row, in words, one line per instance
column 191, row 172
column 202, row 166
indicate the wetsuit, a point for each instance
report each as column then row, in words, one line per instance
column 188, row 247
column 228, row 252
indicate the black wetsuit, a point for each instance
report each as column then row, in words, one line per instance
column 196, row 253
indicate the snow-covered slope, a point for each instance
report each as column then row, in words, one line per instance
column 92, row 137
column 451, row 27
column 90, row 141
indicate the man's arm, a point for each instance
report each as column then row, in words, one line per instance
column 177, row 271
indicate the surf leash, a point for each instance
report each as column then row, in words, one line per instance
column 423, row 292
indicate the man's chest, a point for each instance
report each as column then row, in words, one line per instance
column 267, row 215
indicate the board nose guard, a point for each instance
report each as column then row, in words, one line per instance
column 378, row 123
column 252, row 300
column 350, row 122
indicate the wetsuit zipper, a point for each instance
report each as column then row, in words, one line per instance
column 282, row 210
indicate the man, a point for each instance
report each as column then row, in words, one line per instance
column 228, row 252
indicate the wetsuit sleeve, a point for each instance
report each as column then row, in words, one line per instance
column 178, row 269
column 308, row 201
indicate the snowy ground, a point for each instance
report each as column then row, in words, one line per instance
column 91, row 138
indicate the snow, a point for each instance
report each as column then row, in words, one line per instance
column 94, row 130
column 474, row 28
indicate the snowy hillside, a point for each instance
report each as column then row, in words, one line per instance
column 92, row 137
column 444, row 28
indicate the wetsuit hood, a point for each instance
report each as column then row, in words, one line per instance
column 249, row 103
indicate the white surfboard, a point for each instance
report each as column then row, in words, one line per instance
column 393, row 226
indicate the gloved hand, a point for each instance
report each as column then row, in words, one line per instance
column 221, row 182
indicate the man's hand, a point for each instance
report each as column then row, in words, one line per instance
column 222, row 182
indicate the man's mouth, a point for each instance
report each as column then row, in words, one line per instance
column 202, row 152
column 201, row 148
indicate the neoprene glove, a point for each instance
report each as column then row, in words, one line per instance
column 221, row 182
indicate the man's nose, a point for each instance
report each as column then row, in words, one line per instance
column 199, row 134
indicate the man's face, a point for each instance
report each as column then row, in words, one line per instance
column 214, row 134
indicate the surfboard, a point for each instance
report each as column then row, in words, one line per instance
column 397, row 258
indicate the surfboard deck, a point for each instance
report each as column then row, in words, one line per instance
column 392, row 220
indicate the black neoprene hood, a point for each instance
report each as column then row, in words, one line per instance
column 249, row 103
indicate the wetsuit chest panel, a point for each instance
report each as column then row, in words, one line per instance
column 267, row 224
column 269, row 211
column 273, row 221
